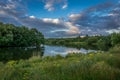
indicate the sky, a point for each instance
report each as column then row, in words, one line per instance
column 63, row 18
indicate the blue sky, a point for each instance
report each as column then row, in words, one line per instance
column 63, row 18
column 37, row 9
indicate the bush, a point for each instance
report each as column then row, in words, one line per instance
column 115, row 49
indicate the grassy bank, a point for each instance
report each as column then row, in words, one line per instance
column 93, row 66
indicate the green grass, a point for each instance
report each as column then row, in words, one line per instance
column 93, row 66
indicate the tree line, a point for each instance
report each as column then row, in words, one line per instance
column 88, row 42
column 19, row 36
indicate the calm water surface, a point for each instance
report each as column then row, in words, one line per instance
column 7, row 54
column 54, row 50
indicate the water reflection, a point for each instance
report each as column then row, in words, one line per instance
column 54, row 50
column 7, row 54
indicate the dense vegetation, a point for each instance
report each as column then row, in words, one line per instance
column 13, row 36
column 93, row 42
column 92, row 66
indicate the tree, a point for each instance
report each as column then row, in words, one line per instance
column 104, row 43
column 115, row 39
column 21, row 36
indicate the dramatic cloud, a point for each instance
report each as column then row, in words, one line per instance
column 48, row 26
column 100, row 19
column 103, row 17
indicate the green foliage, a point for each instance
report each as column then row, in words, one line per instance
column 115, row 39
column 84, row 42
column 92, row 66
column 104, row 43
column 21, row 36
column 89, row 42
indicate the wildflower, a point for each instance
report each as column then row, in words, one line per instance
column 91, row 55
column 11, row 62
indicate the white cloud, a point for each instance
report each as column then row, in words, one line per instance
column 32, row 17
column 64, row 6
column 112, row 14
column 72, row 28
column 58, row 30
column 50, row 20
column 51, row 9
column 69, row 27
column 74, row 16
column 113, row 31
column 50, row 5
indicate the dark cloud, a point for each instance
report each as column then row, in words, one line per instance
column 101, row 17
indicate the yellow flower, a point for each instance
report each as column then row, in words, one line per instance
column 91, row 55
column 11, row 62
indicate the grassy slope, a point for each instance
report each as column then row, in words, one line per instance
column 99, row 66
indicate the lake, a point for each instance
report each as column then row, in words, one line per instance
column 7, row 54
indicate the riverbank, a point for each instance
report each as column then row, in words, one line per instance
column 92, row 66
column 103, row 43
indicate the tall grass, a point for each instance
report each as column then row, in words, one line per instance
column 93, row 66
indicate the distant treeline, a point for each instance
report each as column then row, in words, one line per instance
column 88, row 42
column 19, row 36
